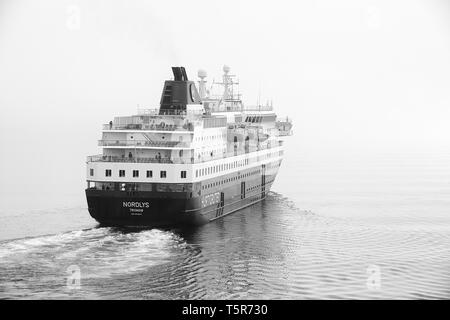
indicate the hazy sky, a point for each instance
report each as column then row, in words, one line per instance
column 350, row 73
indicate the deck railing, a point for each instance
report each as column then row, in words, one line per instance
column 144, row 126
column 143, row 143
column 103, row 158
column 258, row 108
column 181, row 160
column 158, row 112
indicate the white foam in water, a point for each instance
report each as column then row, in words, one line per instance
column 27, row 245
column 98, row 253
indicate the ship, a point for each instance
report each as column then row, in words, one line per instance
column 198, row 157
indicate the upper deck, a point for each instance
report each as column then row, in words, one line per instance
column 170, row 121
column 177, row 159
column 189, row 127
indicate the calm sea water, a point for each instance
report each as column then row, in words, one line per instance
column 341, row 225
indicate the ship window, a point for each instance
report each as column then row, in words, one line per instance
column 183, row 174
column 91, row 172
column 149, row 173
column 121, row 173
column 163, row 174
column 108, row 172
column 135, row 173
column 196, row 173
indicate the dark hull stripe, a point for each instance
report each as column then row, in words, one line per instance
column 141, row 208
column 237, row 209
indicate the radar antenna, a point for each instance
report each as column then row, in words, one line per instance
column 202, row 83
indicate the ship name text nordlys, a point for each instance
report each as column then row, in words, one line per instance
column 130, row 204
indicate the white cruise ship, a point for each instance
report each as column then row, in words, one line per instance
column 194, row 159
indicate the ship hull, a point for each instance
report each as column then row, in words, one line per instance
column 154, row 209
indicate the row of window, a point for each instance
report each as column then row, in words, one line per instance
column 220, row 167
column 237, row 177
column 264, row 118
column 198, row 172
column 253, row 188
column 232, row 165
column 162, row 173
column 217, row 136
column 140, row 186
column 254, row 119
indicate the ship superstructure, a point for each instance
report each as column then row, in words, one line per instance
column 194, row 159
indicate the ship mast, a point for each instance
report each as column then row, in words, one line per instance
column 227, row 84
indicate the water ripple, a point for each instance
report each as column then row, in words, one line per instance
column 272, row 250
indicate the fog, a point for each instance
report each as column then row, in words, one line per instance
column 356, row 75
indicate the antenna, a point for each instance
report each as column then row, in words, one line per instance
column 259, row 95
column 202, row 83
